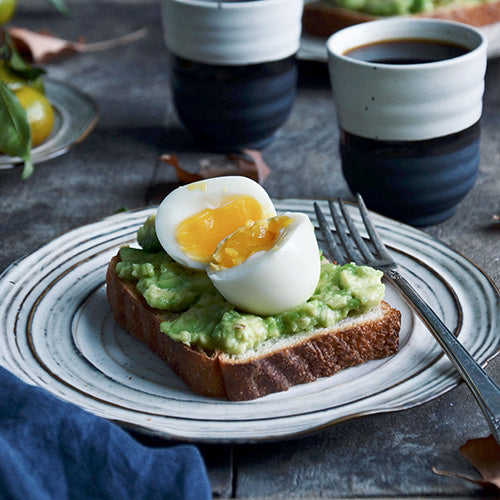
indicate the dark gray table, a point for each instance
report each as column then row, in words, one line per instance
column 117, row 166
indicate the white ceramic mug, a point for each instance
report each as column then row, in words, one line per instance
column 233, row 68
column 409, row 132
column 232, row 32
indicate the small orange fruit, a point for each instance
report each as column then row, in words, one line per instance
column 7, row 9
column 40, row 113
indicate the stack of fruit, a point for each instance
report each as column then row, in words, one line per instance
column 25, row 110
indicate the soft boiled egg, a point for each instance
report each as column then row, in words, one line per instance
column 261, row 262
column 193, row 219
column 268, row 266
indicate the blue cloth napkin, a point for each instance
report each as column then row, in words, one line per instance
column 53, row 450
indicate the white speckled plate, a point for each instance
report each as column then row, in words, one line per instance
column 57, row 331
column 75, row 117
column 313, row 48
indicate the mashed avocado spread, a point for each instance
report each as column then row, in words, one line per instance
column 207, row 320
column 398, row 7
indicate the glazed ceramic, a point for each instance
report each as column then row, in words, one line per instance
column 233, row 68
column 57, row 331
column 409, row 132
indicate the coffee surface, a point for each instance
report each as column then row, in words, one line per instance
column 406, row 51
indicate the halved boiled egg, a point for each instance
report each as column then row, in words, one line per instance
column 193, row 219
column 268, row 266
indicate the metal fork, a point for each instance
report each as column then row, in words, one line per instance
column 483, row 387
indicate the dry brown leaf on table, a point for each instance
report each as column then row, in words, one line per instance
column 484, row 455
column 248, row 163
column 41, row 46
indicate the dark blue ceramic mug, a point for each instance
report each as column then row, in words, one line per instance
column 409, row 100
column 233, row 68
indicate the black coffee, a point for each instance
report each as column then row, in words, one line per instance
column 406, row 51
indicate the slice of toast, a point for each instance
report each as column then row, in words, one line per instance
column 275, row 366
column 322, row 18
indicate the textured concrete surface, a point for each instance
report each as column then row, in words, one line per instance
column 386, row 455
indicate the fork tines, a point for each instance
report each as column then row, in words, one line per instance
column 349, row 235
column 350, row 247
column 333, row 250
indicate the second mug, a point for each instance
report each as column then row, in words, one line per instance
column 409, row 100
column 233, row 69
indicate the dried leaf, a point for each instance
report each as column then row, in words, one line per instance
column 248, row 163
column 184, row 176
column 465, row 477
column 40, row 46
column 484, row 455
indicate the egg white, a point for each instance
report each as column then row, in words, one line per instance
column 271, row 282
column 193, row 198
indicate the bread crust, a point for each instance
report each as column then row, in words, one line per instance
column 322, row 19
column 301, row 360
column 199, row 370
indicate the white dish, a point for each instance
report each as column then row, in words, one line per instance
column 313, row 48
column 75, row 117
column 57, row 331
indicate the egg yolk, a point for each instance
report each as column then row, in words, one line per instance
column 254, row 237
column 199, row 235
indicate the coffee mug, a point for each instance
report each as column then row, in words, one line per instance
column 233, row 68
column 409, row 94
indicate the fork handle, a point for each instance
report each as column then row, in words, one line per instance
column 483, row 387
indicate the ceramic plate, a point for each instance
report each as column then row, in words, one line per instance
column 313, row 48
column 57, row 331
column 75, row 117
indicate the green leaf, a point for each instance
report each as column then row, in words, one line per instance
column 59, row 5
column 23, row 69
column 15, row 133
column 28, row 168
column 4, row 49
column 16, row 62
